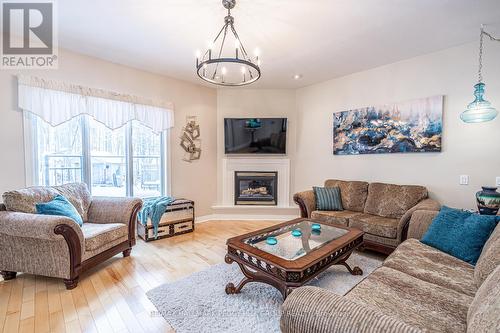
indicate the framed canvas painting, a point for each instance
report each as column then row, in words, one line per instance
column 409, row 127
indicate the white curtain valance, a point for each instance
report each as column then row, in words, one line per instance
column 57, row 102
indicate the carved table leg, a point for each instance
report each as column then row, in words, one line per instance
column 231, row 289
column 8, row 275
column 251, row 276
column 354, row 271
column 126, row 253
column 287, row 292
column 71, row 283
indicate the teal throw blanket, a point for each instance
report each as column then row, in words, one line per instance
column 154, row 209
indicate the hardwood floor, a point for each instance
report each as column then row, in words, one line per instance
column 111, row 297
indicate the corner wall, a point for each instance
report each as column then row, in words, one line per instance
column 468, row 149
column 191, row 180
column 243, row 103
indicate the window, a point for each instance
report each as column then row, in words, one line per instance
column 128, row 161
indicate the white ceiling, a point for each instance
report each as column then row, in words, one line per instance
column 320, row 39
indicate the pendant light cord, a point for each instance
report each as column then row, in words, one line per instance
column 481, row 37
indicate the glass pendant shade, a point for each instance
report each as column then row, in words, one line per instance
column 480, row 110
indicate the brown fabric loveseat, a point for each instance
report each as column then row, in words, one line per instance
column 417, row 289
column 382, row 211
column 56, row 246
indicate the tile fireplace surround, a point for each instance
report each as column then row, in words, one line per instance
column 279, row 165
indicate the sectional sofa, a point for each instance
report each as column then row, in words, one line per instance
column 417, row 289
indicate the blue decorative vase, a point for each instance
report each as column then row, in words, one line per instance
column 488, row 201
column 271, row 240
column 296, row 233
column 316, row 226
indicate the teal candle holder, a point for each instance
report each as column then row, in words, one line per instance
column 271, row 240
column 316, row 226
column 296, row 233
column 316, row 232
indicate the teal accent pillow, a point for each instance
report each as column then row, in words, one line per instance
column 59, row 206
column 460, row 233
column 327, row 198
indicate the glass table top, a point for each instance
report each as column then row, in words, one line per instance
column 294, row 241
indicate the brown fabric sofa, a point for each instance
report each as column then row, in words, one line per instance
column 56, row 246
column 417, row 289
column 382, row 211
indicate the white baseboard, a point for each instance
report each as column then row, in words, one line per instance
column 244, row 217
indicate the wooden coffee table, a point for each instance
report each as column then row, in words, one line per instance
column 293, row 260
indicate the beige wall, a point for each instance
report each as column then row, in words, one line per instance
column 471, row 149
column 191, row 180
column 237, row 102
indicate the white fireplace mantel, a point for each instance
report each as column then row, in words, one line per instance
column 280, row 165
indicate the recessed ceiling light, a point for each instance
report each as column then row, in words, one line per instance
column 297, row 76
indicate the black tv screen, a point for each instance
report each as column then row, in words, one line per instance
column 255, row 135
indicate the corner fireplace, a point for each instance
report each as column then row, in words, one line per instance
column 256, row 188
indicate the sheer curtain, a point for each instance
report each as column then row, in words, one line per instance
column 57, row 102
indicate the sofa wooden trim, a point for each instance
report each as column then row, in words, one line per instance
column 377, row 247
column 302, row 206
column 75, row 251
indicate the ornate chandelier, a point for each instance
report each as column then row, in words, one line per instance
column 227, row 66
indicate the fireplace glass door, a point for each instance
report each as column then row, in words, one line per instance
column 255, row 188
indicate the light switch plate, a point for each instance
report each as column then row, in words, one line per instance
column 497, row 181
column 464, row 180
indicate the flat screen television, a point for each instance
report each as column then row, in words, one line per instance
column 255, row 135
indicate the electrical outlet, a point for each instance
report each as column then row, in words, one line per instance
column 497, row 181
column 464, row 180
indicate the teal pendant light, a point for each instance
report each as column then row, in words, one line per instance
column 480, row 110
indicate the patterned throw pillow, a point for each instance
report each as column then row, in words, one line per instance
column 59, row 206
column 327, row 198
column 459, row 233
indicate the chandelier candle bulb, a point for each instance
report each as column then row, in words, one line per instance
column 237, row 47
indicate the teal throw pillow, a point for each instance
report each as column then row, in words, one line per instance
column 59, row 206
column 327, row 198
column 460, row 233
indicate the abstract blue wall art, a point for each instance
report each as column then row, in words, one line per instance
column 409, row 127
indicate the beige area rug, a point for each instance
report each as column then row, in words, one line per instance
column 198, row 303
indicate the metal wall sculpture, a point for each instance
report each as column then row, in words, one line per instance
column 190, row 140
